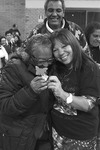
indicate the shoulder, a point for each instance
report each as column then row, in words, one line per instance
column 76, row 30
column 37, row 28
column 89, row 68
column 13, row 63
column 80, row 36
column 74, row 26
column 14, row 70
column 10, row 72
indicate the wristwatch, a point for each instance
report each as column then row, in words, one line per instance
column 69, row 99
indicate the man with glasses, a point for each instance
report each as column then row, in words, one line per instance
column 24, row 98
column 55, row 20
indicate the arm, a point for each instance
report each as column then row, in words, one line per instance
column 82, row 103
column 35, row 30
column 16, row 95
column 88, row 90
column 19, row 88
column 79, row 102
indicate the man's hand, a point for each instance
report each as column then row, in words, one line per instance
column 38, row 84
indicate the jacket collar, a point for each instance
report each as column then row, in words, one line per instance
column 65, row 26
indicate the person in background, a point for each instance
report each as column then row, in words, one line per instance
column 3, row 58
column 3, row 40
column 14, row 30
column 55, row 20
column 24, row 98
column 74, row 83
column 92, row 33
column 13, row 42
column 4, row 43
column 17, row 42
column 10, row 40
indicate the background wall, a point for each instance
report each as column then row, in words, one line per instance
column 12, row 11
column 33, row 17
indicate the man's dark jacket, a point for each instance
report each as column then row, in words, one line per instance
column 23, row 113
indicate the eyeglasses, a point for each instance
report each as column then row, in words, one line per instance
column 42, row 61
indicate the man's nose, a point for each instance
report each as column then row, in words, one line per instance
column 45, row 64
column 54, row 13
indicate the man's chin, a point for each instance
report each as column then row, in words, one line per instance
column 54, row 25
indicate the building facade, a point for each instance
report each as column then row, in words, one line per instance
column 12, row 12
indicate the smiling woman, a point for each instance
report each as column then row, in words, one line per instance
column 75, row 83
column 63, row 52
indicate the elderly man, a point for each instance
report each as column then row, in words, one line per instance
column 55, row 20
column 24, row 98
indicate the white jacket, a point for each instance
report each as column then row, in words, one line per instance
column 3, row 53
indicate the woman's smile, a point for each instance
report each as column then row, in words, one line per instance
column 63, row 53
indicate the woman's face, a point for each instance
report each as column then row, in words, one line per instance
column 95, row 38
column 62, row 52
column 3, row 41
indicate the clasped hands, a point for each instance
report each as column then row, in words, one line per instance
column 38, row 84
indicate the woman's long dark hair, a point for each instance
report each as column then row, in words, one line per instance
column 66, row 37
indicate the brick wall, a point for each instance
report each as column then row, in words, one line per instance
column 12, row 11
column 33, row 17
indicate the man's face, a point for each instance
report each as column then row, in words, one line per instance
column 43, row 56
column 9, row 37
column 54, row 14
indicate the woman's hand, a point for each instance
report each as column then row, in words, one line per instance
column 38, row 84
column 79, row 102
column 55, row 85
